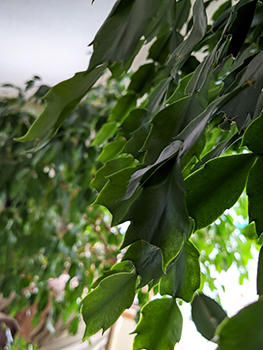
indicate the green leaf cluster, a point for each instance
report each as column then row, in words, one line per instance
column 180, row 146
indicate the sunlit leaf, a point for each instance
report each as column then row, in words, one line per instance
column 183, row 277
column 162, row 331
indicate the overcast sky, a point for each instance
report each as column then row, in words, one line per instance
column 48, row 38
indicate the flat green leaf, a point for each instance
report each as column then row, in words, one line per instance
column 216, row 187
column 136, row 118
column 168, row 123
column 217, row 151
column 255, row 195
column 182, row 52
column 113, row 191
column 192, row 132
column 123, row 266
column 253, row 136
column 260, row 273
column 244, row 330
column 160, row 327
column 111, row 150
column 110, row 168
column 245, row 103
column 182, row 9
column 147, row 260
column 180, row 90
column 241, row 26
column 118, row 37
column 226, row 5
column 141, row 80
column 183, row 277
column 207, row 315
column 136, row 141
column 205, row 68
column 60, row 101
column 122, row 108
column 146, row 172
column 164, row 45
column 159, row 215
column 107, row 130
column 104, row 305
column 157, row 96
column 162, row 21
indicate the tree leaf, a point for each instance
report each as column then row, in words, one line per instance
column 146, row 172
column 113, row 191
column 136, row 118
column 241, row 26
column 183, row 276
column 255, row 195
column 206, row 189
column 122, row 108
column 244, row 330
column 136, row 141
column 104, row 305
column 253, row 137
column 159, row 215
column 168, row 123
column 141, row 80
column 118, row 37
column 244, row 104
column 111, row 150
column 198, row 31
column 162, row 331
column 157, row 96
column 260, row 272
column 207, row 315
column 195, row 128
column 110, row 168
column 147, row 260
column 205, row 68
column 107, row 130
column 123, row 266
column 60, row 101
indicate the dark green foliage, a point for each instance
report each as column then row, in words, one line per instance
column 260, row 273
column 152, row 332
column 179, row 148
column 242, row 331
column 207, row 315
column 104, row 305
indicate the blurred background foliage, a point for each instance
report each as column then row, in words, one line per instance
column 48, row 227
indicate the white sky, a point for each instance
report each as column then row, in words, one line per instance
column 48, row 38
